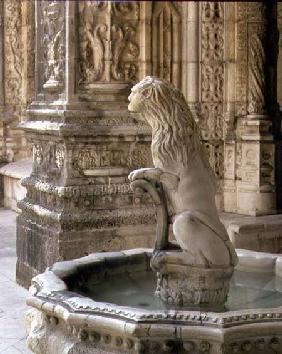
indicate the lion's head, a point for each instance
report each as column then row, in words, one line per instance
column 175, row 134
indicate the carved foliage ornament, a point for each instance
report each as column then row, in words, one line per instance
column 13, row 52
column 108, row 46
column 241, row 80
column 53, row 21
column 212, row 68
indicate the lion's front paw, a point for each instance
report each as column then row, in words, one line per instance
column 136, row 174
column 152, row 174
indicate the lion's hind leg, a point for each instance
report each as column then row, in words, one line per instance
column 202, row 245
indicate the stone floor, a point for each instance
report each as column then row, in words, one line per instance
column 12, row 296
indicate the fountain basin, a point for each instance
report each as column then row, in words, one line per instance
column 104, row 303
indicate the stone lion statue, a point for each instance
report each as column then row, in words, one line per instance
column 182, row 167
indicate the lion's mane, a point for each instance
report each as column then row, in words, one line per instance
column 175, row 134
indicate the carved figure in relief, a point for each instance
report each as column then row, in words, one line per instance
column 92, row 48
column 183, row 169
column 53, row 32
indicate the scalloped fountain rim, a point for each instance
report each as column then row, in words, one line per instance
column 50, row 294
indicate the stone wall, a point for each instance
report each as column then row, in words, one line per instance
column 200, row 47
column 223, row 55
column 16, row 76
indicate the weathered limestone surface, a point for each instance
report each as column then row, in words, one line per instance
column 16, row 79
column 223, row 55
column 262, row 233
column 12, row 174
column 16, row 75
column 84, row 140
column 60, row 321
column 183, row 175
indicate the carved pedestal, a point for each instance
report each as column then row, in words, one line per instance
column 84, row 140
column 181, row 284
column 78, row 197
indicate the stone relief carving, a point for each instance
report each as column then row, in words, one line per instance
column 121, row 36
column 36, row 324
column 59, row 156
column 48, row 158
column 91, row 158
column 108, row 50
column 211, row 120
column 216, row 157
column 267, row 165
column 166, row 41
column 140, row 156
column 13, row 52
column 212, row 69
column 256, row 11
column 91, row 43
column 256, row 99
column 250, row 69
column 53, row 14
column 229, row 162
column 241, row 80
column 37, row 154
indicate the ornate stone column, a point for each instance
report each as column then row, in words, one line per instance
column 190, row 56
column 1, row 97
column 211, row 70
column 278, row 85
column 256, row 187
column 229, row 124
column 84, row 140
column 1, row 55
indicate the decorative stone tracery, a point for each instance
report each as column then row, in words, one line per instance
column 80, row 140
column 53, row 37
column 13, row 72
column 88, row 55
column 108, row 41
column 166, row 39
column 212, row 68
column 257, row 61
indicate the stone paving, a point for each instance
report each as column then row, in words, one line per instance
column 12, row 296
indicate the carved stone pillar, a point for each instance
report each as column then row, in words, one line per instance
column 1, row 97
column 279, row 64
column 278, row 84
column 1, row 55
column 256, row 187
column 212, row 16
column 229, row 134
column 84, row 140
column 190, row 56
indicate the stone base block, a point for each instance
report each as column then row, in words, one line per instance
column 12, row 174
column 40, row 245
column 256, row 233
column 181, row 284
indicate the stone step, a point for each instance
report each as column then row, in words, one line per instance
column 256, row 233
column 11, row 175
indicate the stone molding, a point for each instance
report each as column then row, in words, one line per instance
column 114, row 328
